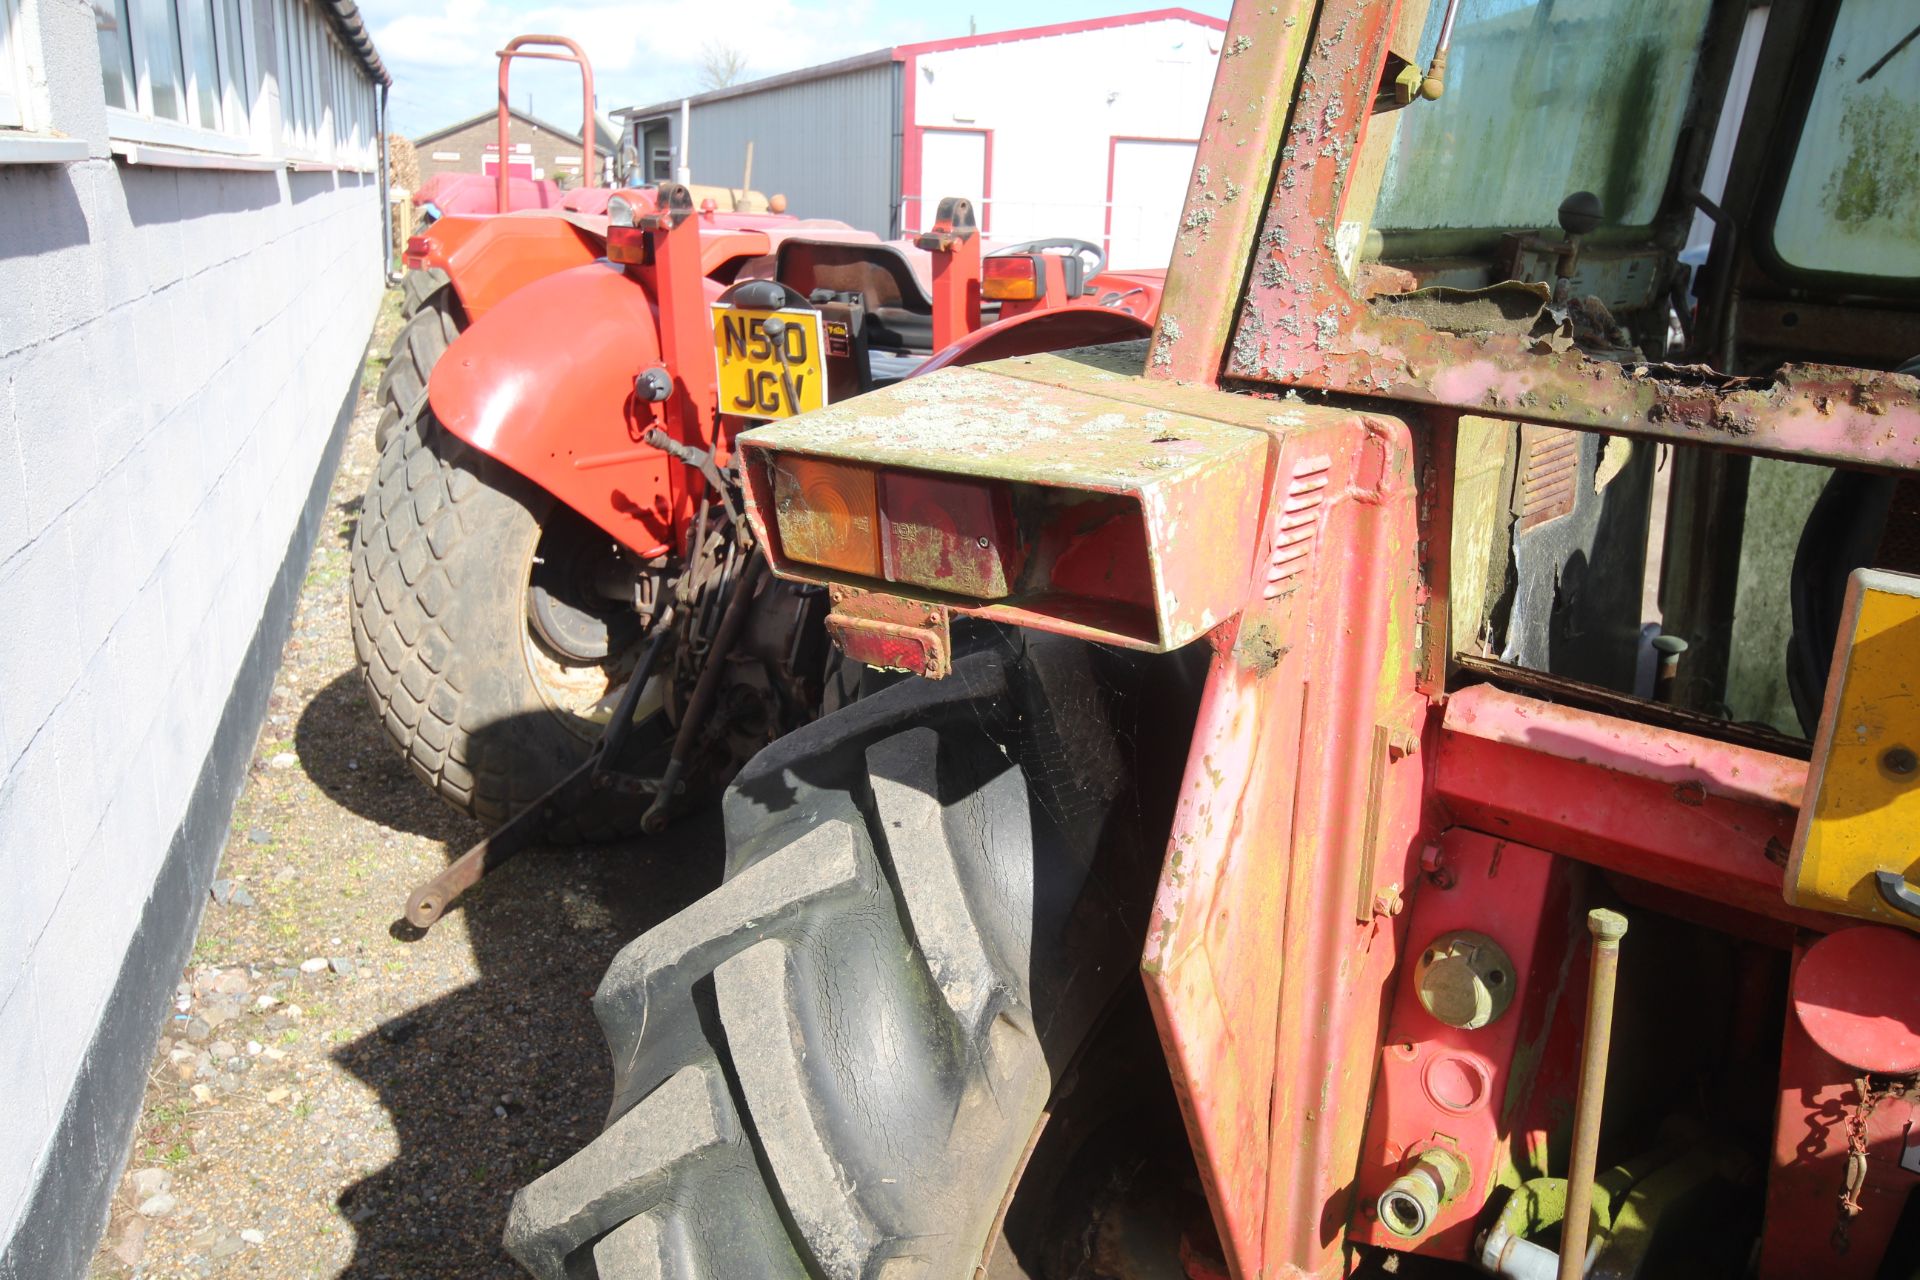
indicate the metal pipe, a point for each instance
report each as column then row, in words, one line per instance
column 1666, row 678
column 386, row 194
column 686, row 142
column 1412, row 1201
column 1607, row 928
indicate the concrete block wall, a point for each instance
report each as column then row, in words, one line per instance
column 179, row 349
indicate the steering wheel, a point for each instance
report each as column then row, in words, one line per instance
column 1080, row 248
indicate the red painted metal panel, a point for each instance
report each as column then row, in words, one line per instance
column 1706, row 818
column 553, row 399
column 1292, row 809
column 1459, row 1089
column 1818, row 1096
column 1233, row 166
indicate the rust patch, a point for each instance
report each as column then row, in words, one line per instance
column 1260, row 650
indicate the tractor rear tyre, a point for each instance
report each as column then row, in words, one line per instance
column 435, row 319
column 833, row 1064
column 443, row 560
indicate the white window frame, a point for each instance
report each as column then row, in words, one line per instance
column 16, row 97
column 233, row 134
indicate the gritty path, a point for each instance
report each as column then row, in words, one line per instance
column 330, row 1095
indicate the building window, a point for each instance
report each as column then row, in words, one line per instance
column 662, row 164
column 326, row 104
column 176, row 71
column 13, row 68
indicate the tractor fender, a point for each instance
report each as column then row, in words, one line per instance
column 543, row 384
column 1036, row 332
column 488, row 258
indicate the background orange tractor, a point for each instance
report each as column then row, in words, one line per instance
column 1292, row 855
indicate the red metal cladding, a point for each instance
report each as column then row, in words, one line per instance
column 1707, row 818
column 488, row 258
column 1821, row 1118
column 553, row 399
column 1303, row 323
column 1259, row 60
column 1457, row 1087
column 1267, row 990
column 1843, row 999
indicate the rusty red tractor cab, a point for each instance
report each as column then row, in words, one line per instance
column 558, row 604
column 1410, row 770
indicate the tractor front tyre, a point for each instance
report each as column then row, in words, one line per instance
column 434, row 319
column 833, row 1064
column 443, row 557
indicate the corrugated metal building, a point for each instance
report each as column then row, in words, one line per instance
column 1083, row 129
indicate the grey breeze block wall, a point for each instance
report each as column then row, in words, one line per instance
column 179, row 352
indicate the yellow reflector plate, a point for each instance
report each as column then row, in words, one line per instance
column 1861, row 815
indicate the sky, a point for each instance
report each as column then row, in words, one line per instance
column 440, row 52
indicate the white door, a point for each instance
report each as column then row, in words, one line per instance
column 1149, row 183
column 953, row 162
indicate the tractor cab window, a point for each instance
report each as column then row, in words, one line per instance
column 1852, row 198
column 1675, row 574
column 1544, row 98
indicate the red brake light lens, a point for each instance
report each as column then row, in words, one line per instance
column 936, row 532
column 626, row 245
column 826, row 513
column 1015, row 278
column 417, row 251
column 946, row 535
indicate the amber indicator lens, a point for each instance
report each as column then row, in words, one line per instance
column 946, row 535
column 1015, row 278
column 826, row 513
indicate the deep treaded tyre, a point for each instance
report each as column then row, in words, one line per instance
column 435, row 320
column 441, row 554
column 831, row 1066
column 419, row 285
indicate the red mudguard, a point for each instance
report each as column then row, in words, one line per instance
column 544, row 385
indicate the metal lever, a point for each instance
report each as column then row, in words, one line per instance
column 1897, row 893
column 1607, row 927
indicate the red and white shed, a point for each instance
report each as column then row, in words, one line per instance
column 1080, row 129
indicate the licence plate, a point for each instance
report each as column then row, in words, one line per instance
column 764, row 378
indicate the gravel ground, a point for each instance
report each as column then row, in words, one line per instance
column 332, row 1095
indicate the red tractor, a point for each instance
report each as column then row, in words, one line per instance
column 467, row 256
column 553, row 543
column 1413, row 769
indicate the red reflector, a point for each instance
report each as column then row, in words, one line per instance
column 946, row 535
column 416, row 254
column 626, row 245
column 1015, row 278
column 825, row 514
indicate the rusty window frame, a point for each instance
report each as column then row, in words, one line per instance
column 1302, row 323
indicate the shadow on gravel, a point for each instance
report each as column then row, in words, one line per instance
column 348, row 755
column 491, row 1086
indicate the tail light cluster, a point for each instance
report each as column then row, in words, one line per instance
column 935, row 532
column 1011, row 278
column 1006, row 497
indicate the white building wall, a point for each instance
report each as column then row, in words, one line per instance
column 177, row 346
column 1054, row 104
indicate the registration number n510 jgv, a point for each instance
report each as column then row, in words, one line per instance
column 771, row 364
